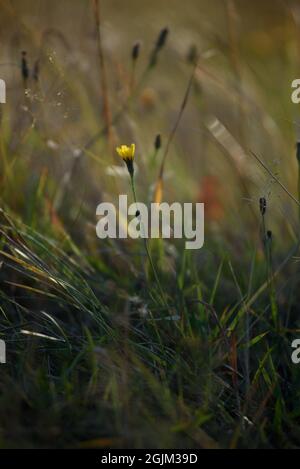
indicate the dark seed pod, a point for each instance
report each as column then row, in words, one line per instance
column 298, row 151
column 262, row 205
column 135, row 51
column 157, row 142
column 162, row 38
column 269, row 235
column 192, row 55
column 24, row 66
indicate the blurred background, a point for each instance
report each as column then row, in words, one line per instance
column 248, row 55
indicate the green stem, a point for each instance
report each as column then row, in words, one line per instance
column 270, row 277
column 147, row 250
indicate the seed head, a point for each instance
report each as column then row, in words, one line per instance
column 24, row 66
column 192, row 54
column 269, row 235
column 161, row 40
column 262, row 205
column 298, row 151
column 135, row 51
column 157, row 142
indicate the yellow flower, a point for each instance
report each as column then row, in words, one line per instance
column 127, row 155
column 125, row 152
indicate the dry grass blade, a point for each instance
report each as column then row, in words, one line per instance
column 275, row 178
column 158, row 192
column 104, row 87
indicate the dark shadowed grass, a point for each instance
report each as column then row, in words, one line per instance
column 93, row 356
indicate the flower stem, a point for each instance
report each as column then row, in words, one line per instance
column 147, row 249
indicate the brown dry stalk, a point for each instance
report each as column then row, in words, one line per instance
column 104, row 88
column 235, row 61
column 275, row 178
column 159, row 183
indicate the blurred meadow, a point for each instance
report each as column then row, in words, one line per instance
column 100, row 354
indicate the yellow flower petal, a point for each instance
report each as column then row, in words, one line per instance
column 126, row 152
